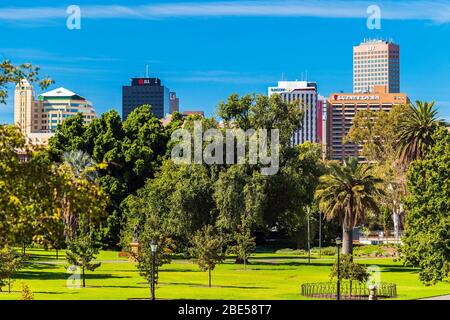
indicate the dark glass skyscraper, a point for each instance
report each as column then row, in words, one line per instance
column 145, row 91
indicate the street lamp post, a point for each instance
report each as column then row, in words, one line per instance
column 338, row 244
column 153, row 248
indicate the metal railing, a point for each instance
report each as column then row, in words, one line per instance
column 350, row 290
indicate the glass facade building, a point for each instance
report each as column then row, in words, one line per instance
column 146, row 91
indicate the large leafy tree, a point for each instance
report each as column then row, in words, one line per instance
column 376, row 132
column 415, row 131
column 132, row 150
column 179, row 198
column 427, row 229
column 16, row 204
column 347, row 192
column 13, row 74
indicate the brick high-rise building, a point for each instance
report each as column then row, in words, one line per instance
column 341, row 110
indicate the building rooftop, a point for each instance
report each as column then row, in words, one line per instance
column 60, row 93
column 372, row 41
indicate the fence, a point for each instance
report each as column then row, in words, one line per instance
column 349, row 290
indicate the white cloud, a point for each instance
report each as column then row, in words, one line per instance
column 438, row 11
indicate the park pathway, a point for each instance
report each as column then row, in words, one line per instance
column 447, row 297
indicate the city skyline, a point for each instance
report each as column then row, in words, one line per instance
column 235, row 54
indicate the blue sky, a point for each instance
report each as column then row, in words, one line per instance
column 207, row 50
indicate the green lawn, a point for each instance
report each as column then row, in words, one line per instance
column 270, row 276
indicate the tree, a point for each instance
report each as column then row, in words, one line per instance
column 11, row 74
column 80, row 195
column 376, row 132
column 347, row 192
column 415, row 131
column 349, row 270
column 426, row 237
column 132, row 152
column 262, row 112
column 239, row 193
column 207, row 249
column 10, row 263
column 17, row 204
column 177, row 202
column 244, row 243
column 82, row 249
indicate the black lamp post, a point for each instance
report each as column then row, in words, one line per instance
column 153, row 248
column 338, row 245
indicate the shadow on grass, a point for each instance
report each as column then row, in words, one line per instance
column 40, row 266
column 290, row 264
column 180, row 270
column 199, row 285
column 36, row 275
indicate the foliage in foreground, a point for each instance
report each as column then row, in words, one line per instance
column 427, row 231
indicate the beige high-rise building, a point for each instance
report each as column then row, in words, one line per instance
column 27, row 114
column 38, row 119
column 376, row 63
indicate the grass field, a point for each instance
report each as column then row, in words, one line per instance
column 270, row 276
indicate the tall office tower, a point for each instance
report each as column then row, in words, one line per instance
column 376, row 62
column 174, row 102
column 26, row 113
column 341, row 110
column 145, row 91
column 305, row 93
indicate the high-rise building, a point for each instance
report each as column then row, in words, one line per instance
column 341, row 110
column 146, row 91
column 38, row 118
column 305, row 93
column 375, row 63
column 174, row 102
column 27, row 113
column 59, row 104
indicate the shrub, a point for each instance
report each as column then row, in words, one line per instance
column 291, row 251
column 326, row 251
column 26, row 293
column 350, row 270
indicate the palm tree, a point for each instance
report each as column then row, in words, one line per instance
column 416, row 130
column 347, row 192
column 76, row 168
column 80, row 165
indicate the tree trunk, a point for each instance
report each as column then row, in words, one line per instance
column 84, row 283
column 9, row 284
column 209, row 271
column 347, row 241
column 351, row 284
